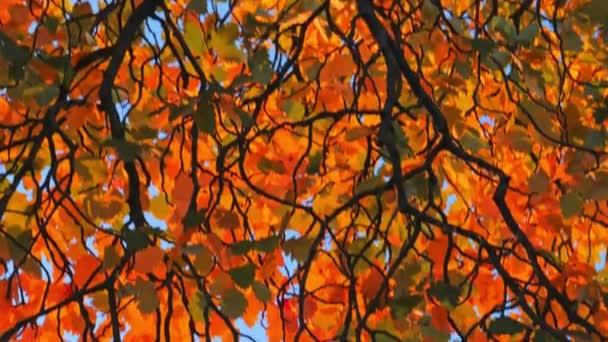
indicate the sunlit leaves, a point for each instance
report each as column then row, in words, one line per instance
column 196, row 306
column 91, row 169
column 194, row 36
column 223, row 40
column 294, row 109
column 357, row 164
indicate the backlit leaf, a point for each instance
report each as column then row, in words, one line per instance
column 196, row 306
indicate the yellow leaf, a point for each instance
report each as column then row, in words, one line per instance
column 193, row 35
column 196, row 306
column 159, row 207
column 100, row 300
column 222, row 41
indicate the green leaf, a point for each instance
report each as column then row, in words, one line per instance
column 472, row 141
column 527, row 35
column 266, row 165
column 261, row 291
column 595, row 139
column 13, row 52
column 600, row 114
column 596, row 10
column 194, row 37
column 204, row 261
column 534, row 81
column 571, row 40
column 196, row 306
column 260, row 66
column 268, row 244
column 445, row 293
column 504, row 26
column 312, row 72
column 357, row 246
column 357, row 132
column 519, row 139
column 298, row 248
column 402, row 306
column 128, row 151
column 543, row 336
column 369, row 184
column 46, row 94
column 243, row 276
column 199, row 6
column 294, row 109
column 434, row 334
column 204, row 116
column 241, row 247
column 20, row 245
column 147, row 298
column 314, row 163
column 539, row 182
column 135, row 239
column 463, row 68
column 222, row 41
column 484, row 46
column 571, row 204
column 506, row 326
column 233, row 304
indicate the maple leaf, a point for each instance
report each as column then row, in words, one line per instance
column 379, row 169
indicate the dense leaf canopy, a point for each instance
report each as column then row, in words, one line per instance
column 379, row 170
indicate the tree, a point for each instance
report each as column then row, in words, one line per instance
column 326, row 169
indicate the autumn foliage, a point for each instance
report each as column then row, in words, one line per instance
column 370, row 170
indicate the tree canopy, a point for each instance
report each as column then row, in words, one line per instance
column 369, row 170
